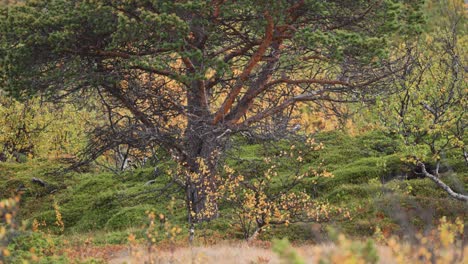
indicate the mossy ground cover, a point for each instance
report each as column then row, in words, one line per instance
column 367, row 180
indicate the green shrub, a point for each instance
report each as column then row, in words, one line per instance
column 35, row 247
column 10, row 187
column 350, row 250
column 348, row 192
column 128, row 217
column 361, row 171
column 298, row 232
column 286, row 252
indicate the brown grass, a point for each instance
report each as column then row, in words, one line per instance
column 224, row 252
column 229, row 253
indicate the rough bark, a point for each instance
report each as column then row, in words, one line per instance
column 201, row 205
column 200, row 139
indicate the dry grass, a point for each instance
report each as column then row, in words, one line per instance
column 229, row 253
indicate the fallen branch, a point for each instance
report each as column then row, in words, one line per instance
column 150, row 182
column 441, row 184
column 39, row 181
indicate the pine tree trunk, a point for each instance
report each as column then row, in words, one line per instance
column 201, row 141
column 201, row 183
column 202, row 150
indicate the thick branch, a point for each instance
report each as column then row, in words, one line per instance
column 247, row 70
column 260, row 84
column 256, row 87
column 238, row 52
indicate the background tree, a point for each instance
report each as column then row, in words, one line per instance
column 186, row 75
column 430, row 109
column 35, row 129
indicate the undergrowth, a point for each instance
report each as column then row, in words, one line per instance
column 369, row 179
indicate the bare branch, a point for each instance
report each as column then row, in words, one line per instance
column 445, row 187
